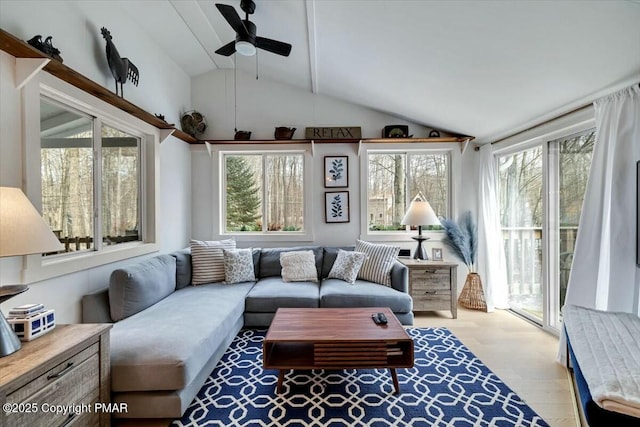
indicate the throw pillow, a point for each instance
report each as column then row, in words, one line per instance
column 208, row 261
column 347, row 266
column 238, row 266
column 298, row 266
column 380, row 259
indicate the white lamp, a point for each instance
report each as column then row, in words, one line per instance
column 420, row 213
column 22, row 232
column 245, row 48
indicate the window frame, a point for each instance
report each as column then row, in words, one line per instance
column 218, row 154
column 563, row 127
column 37, row 267
column 452, row 150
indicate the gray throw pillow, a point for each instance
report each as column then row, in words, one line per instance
column 380, row 259
column 347, row 266
column 238, row 266
column 208, row 261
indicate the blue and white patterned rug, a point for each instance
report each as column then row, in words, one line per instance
column 448, row 386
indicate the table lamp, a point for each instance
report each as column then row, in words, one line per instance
column 420, row 213
column 22, row 232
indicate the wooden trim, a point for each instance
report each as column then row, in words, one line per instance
column 334, row 141
column 20, row 49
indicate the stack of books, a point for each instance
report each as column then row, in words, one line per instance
column 31, row 321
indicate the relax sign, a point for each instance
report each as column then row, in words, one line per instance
column 333, row 133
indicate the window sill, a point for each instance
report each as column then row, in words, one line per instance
column 401, row 236
column 270, row 237
column 41, row 269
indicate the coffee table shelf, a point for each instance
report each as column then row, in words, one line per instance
column 326, row 338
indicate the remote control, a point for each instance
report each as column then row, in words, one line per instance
column 379, row 318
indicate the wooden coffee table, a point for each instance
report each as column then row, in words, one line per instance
column 335, row 338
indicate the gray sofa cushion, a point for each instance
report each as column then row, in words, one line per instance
column 272, row 293
column 336, row 293
column 270, row 260
column 166, row 346
column 183, row 268
column 138, row 286
column 330, row 253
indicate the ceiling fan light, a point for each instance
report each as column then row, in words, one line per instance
column 245, row 48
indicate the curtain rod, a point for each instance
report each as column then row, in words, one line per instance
column 575, row 110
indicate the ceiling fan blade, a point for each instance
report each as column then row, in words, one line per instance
column 274, row 46
column 228, row 49
column 229, row 13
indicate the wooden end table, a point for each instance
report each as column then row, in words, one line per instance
column 336, row 338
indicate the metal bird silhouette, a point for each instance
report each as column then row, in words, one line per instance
column 121, row 68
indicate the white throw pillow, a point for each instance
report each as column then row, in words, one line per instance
column 207, row 260
column 238, row 266
column 347, row 265
column 298, row 266
column 380, row 259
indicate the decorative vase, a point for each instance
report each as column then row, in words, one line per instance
column 472, row 295
column 284, row 132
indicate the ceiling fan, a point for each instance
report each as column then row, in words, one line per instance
column 246, row 40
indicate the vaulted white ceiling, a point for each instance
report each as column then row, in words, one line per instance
column 481, row 68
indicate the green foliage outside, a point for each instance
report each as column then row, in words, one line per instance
column 243, row 198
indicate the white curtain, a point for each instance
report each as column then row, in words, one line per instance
column 604, row 275
column 491, row 260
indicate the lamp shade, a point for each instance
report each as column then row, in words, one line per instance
column 420, row 213
column 22, row 229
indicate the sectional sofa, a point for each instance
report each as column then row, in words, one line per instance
column 168, row 335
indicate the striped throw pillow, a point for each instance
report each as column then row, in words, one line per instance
column 207, row 260
column 380, row 259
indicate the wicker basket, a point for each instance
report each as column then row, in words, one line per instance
column 472, row 295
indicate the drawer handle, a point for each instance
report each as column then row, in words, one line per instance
column 431, row 271
column 69, row 419
column 431, row 292
column 61, row 373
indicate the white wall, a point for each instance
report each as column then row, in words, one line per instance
column 164, row 88
column 261, row 106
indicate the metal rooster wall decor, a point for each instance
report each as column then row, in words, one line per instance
column 121, row 68
column 45, row 46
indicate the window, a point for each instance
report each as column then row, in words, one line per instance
column 71, row 186
column 395, row 178
column 263, row 193
column 541, row 193
column 93, row 176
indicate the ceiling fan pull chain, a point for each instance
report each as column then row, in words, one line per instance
column 235, row 95
column 256, row 65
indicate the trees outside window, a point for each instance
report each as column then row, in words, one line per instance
column 71, row 185
column 394, row 178
column 263, row 192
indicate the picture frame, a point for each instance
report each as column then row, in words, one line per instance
column 336, row 171
column 336, row 206
column 436, row 254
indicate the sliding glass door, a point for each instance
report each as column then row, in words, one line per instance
column 541, row 192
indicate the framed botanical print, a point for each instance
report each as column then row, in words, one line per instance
column 336, row 206
column 336, row 171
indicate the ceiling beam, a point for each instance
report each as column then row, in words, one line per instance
column 197, row 22
column 311, row 34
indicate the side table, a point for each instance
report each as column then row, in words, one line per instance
column 433, row 285
column 58, row 378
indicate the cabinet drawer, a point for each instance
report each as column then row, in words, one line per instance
column 432, row 302
column 52, row 375
column 74, row 385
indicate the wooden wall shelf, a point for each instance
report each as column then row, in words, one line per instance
column 334, row 141
column 20, row 49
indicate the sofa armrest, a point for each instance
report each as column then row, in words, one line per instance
column 95, row 307
column 400, row 277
